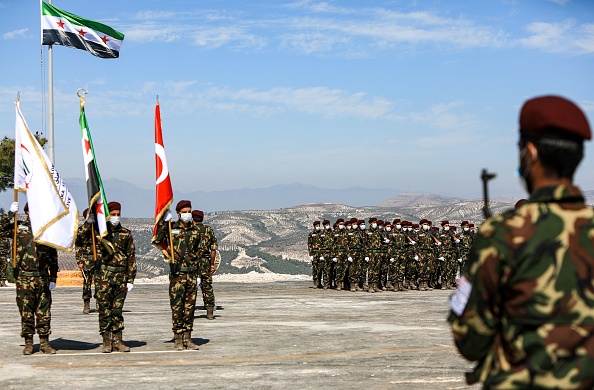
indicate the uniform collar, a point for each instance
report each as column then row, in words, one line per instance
column 560, row 193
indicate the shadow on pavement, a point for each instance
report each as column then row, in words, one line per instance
column 195, row 340
column 72, row 345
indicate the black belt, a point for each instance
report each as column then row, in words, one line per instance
column 112, row 269
column 188, row 269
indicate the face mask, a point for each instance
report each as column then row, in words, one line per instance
column 327, row 227
column 318, row 228
column 398, row 227
column 349, row 227
column 362, row 227
column 524, row 173
column 341, row 227
column 446, row 228
column 425, row 227
column 466, row 229
column 185, row 217
column 388, row 229
column 115, row 220
column 374, row 225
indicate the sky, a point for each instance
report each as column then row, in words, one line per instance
column 417, row 96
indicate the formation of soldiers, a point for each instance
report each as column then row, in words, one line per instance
column 382, row 255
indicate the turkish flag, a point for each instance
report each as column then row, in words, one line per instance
column 164, row 193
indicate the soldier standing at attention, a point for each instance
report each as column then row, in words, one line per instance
column 183, row 273
column 85, row 261
column 36, row 272
column 374, row 242
column 525, row 310
column 4, row 255
column 327, row 243
column 206, row 262
column 313, row 246
column 114, row 278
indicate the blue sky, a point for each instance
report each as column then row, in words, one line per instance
column 417, row 96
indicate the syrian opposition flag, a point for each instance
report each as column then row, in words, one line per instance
column 97, row 201
column 52, row 211
column 164, row 191
column 63, row 28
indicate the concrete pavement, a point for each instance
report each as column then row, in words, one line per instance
column 265, row 336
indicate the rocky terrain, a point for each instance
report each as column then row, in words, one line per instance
column 275, row 241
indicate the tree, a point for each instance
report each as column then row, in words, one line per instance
column 7, row 161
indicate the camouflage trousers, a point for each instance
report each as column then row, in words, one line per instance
column 373, row 269
column 206, row 282
column 329, row 270
column 182, row 299
column 450, row 270
column 426, row 266
column 384, row 268
column 315, row 269
column 3, row 266
column 34, row 300
column 396, row 270
column 412, row 270
column 110, row 293
column 352, row 269
column 87, row 283
column 340, row 269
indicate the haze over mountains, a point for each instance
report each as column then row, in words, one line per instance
column 139, row 203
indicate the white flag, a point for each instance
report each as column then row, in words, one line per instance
column 52, row 211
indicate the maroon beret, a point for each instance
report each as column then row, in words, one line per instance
column 183, row 204
column 316, row 223
column 397, row 220
column 85, row 213
column 372, row 219
column 471, row 225
column 354, row 220
column 26, row 208
column 114, row 206
column 423, row 221
column 339, row 220
column 380, row 222
column 554, row 116
column 463, row 223
column 415, row 225
column 197, row 214
column 360, row 221
column 326, row 222
column 387, row 223
column 445, row 222
column 519, row 203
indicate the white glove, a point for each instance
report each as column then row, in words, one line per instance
column 311, row 258
column 167, row 216
column 457, row 241
column 52, row 285
column 386, row 241
column 91, row 218
column 198, row 281
column 416, row 258
column 391, row 259
column 438, row 243
column 335, row 259
column 130, row 286
column 441, row 258
column 14, row 207
column 322, row 258
column 413, row 242
column 367, row 259
column 459, row 260
column 350, row 259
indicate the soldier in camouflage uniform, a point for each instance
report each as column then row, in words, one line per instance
column 374, row 245
column 326, row 250
column 85, row 261
column 382, row 277
column 206, row 262
column 353, row 243
column 314, row 245
column 525, row 310
column 360, row 265
column 397, row 259
column 425, row 251
column 464, row 246
column 116, row 271
column 184, row 270
column 37, row 268
column 4, row 257
column 341, row 246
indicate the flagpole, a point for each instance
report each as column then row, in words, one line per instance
column 50, row 119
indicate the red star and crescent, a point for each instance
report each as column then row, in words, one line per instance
column 61, row 24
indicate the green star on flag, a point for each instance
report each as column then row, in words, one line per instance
column 63, row 28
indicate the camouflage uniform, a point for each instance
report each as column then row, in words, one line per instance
column 397, row 259
column 341, row 247
column 327, row 242
column 413, row 260
column 425, row 246
column 84, row 256
column 529, row 318
column 374, row 247
column 208, row 245
column 352, row 240
column 4, row 258
column 314, row 247
column 37, row 266
column 188, row 250
column 116, row 267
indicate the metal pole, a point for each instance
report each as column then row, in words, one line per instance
column 50, row 119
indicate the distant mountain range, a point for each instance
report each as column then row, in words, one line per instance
column 140, row 203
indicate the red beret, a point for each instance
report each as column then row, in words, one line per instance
column 197, row 214
column 316, row 223
column 554, row 116
column 372, row 219
column 380, row 222
column 339, row 220
column 360, row 221
column 26, row 208
column 326, row 222
column 423, row 221
column 183, row 204
column 397, row 220
column 415, row 225
column 463, row 223
column 519, row 203
column 445, row 222
column 471, row 225
column 354, row 220
column 114, row 206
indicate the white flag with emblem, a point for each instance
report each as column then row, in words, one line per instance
column 52, row 211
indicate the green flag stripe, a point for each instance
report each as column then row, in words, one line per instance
column 50, row 10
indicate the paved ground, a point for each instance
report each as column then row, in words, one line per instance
column 265, row 336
